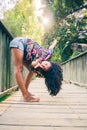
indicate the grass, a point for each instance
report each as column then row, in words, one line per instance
column 5, row 96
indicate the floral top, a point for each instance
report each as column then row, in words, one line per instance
column 33, row 51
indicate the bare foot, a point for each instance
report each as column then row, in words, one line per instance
column 31, row 99
column 31, row 94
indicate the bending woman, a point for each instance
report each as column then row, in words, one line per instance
column 36, row 59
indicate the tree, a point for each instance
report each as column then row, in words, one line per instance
column 68, row 28
column 21, row 21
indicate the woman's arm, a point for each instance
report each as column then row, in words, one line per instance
column 53, row 44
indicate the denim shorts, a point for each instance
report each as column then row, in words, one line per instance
column 17, row 43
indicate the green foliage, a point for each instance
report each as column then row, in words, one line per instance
column 64, row 7
column 5, row 97
column 21, row 21
column 75, row 53
column 56, row 55
column 68, row 30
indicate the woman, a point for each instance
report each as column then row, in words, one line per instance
column 36, row 59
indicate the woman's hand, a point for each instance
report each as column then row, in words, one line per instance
column 37, row 62
column 38, row 65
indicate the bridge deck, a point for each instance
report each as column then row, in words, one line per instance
column 66, row 111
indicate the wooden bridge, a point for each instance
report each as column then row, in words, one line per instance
column 66, row 111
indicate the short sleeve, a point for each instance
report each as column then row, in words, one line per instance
column 50, row 52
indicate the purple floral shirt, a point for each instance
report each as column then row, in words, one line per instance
column 33, row 51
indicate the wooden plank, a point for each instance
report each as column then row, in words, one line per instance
column 66, row 111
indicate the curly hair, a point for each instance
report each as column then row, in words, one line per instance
column 53, row 78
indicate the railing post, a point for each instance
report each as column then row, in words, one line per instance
column 0, row 60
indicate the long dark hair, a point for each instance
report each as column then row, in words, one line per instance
column 53, row 78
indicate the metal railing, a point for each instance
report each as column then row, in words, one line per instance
column 7, row 79
column 75, row 70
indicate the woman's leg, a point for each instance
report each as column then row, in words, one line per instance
column 28, row 78
column 18, row 62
